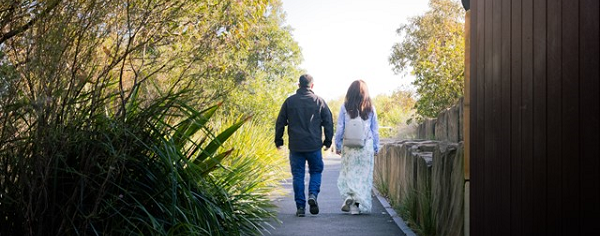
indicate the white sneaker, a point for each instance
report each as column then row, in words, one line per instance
column 354, row 209
column 347, row 203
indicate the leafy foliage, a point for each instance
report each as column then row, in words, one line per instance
column 135, row 173
column 433, row 50
column 104, row 121
column 273, row 59
column 394, row 113
column 251, row 173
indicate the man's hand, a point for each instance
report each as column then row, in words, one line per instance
column 339, row 152
column 279, row 147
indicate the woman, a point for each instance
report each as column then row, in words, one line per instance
column 356, row 176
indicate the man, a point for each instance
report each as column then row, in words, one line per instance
column 305, row 114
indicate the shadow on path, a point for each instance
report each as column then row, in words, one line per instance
column 331, row 220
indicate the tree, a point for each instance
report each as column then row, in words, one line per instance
column 104, row 125
column 18, row 16
column 271, row 63
column 432, row 49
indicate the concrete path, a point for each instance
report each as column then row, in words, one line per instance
column 331, row 220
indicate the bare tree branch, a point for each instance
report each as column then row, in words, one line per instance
column 26, row 26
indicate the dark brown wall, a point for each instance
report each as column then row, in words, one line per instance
column 534, row 122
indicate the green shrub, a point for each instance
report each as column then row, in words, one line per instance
column 108, row 175
column 252, row 173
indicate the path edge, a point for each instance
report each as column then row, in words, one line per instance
column 397, row 219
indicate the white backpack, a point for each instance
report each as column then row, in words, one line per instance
column 354, row 133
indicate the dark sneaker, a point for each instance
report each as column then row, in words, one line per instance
column 300, row 212
column 314, row 206
column 347, row 203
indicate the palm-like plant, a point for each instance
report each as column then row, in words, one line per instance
column 146, row 173
column 172, row 186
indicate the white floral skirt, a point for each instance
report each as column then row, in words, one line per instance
column 356, row 176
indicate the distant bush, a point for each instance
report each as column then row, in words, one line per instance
column 395, row 113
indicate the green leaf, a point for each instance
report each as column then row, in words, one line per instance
column 210, row 164
column 190, row 126
column 218, row 141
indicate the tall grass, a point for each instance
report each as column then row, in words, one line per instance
column 145, row 173
column 253, row 173
column 417, row 210
column 382, row 184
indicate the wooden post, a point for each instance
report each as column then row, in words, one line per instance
column 467, row 125
column 467, row 94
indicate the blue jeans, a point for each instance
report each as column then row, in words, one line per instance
column 315, row 168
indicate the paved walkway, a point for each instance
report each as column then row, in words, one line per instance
column 331, row 220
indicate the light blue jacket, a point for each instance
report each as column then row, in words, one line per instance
column 371, row 124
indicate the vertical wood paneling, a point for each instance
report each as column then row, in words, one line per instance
column 516, row 199
column 467, row 100
column 554, row 161
column 490, row 180
column 570, row 118
column 477, row 168
column 505, row 132
column 589, row 95
column 493, row 115
column 539, row 118
column 527, row 117
column 535, row 117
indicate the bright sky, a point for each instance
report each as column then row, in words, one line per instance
column 346, row 40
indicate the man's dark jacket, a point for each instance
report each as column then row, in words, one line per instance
column 304, row 113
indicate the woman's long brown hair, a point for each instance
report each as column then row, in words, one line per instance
column 358, row 100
